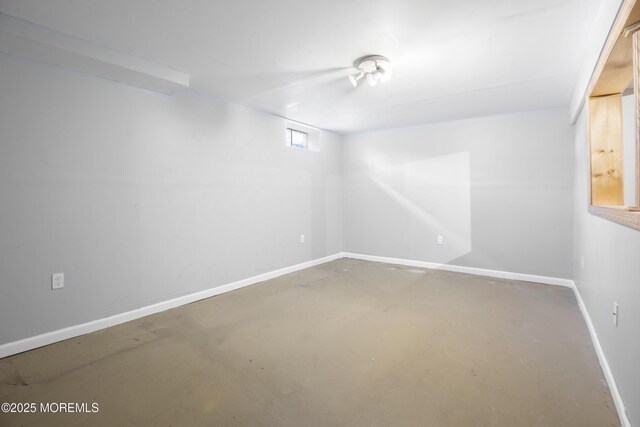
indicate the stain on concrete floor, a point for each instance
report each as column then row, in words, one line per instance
column 347, row 343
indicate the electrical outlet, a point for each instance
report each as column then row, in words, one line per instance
column 614, row 314
column 581, row 261
column 57, row 281
column 440, row 240
column 302, row 238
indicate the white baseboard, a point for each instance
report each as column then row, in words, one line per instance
column 30, row 343
column 604, row 364
column 461, row 269
column 606, row 369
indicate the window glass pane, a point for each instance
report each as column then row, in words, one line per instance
column 298, row 139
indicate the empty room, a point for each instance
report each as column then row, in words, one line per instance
column 344, row 213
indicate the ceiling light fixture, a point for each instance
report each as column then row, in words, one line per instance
column 373, row 68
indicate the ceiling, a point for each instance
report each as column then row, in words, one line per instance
column 451, row 60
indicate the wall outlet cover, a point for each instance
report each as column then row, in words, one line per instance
column 57, row 281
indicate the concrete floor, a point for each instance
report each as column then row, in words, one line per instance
column 348, row 343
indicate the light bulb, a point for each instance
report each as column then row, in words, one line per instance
column 373, row 68
column 372, row 78
column 355, row 78
column 384, row 74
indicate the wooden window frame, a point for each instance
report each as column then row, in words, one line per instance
column 611, row 77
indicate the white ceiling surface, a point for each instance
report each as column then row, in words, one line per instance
column 450, row 59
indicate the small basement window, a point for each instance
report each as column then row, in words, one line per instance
column 298, row 135
column 296, row 138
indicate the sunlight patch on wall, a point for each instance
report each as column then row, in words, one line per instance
column 436, row 193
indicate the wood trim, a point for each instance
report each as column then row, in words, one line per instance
column 621, row 216
column 636, row 92
column 631, row 29
column 618, row 27
column 619, row 53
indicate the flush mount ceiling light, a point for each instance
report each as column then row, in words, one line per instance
column 373, row 68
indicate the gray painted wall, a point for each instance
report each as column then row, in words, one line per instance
column 611, row 273
column 139, row 197
column 498, row 189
